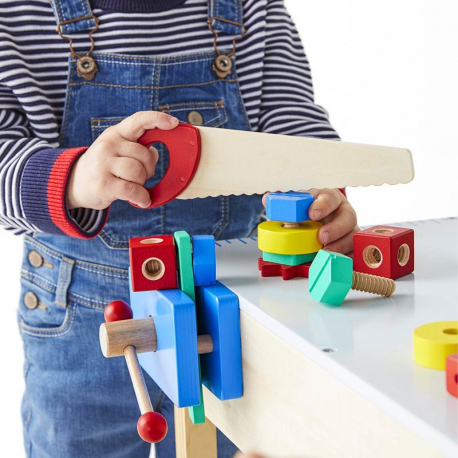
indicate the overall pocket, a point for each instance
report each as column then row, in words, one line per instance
column 43, row 308
column 210, row 114
column 197, row 216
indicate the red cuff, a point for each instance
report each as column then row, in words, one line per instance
column 56, row 194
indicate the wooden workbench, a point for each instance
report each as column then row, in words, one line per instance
column 322, row 381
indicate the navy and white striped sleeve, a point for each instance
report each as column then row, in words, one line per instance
column 287, row 100
column 33, row 180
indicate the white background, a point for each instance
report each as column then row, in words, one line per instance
column 387, row 72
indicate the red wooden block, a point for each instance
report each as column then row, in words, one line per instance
column 451, row 369
column 153, row 263
column 384, row 251
column 271, row 269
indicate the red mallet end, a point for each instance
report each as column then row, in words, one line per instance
column 152, row 427
column 117, row 311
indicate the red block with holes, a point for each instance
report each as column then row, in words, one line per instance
column 272, row 269
column 384, row 251
column 451, row 369
column 153, row 263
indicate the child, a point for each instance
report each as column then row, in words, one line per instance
column 134, row 65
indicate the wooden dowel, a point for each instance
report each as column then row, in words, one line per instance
column 138, row 381
column 204, row 344
column 141, row 334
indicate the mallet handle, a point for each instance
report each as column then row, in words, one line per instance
column 138, row 380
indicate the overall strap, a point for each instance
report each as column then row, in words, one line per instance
column 222, row 11
column 73, row 16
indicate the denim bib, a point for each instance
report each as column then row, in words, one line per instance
column 67, row 282
column 184, row 86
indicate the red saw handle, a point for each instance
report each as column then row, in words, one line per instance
column 183, row 144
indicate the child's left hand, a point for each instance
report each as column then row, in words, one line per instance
column 339, row 219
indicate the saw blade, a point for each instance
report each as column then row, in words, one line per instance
column 234, row 162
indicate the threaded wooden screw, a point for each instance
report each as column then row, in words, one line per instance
column 373, row 284
column 291, row 225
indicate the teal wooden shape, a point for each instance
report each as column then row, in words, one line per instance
column 186, row 278
column 175, row 364
column 330, row 277
column 185, row 271
column 288, row 259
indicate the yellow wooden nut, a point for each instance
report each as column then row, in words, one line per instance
column 274, row 238
column 433, row 342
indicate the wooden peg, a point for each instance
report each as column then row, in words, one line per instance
column 139, row 333
column 138, row 381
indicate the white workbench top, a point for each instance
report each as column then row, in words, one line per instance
column 370, row 337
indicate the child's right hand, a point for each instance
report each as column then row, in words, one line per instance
column 116, row 166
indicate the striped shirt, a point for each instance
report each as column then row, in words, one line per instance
column 273, row 71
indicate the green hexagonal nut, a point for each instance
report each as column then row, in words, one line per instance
column 330, row 277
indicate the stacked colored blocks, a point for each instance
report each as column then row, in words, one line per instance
column 289, row 241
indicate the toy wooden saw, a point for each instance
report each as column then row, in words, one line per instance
column 205, row 161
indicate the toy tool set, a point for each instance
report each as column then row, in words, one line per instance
column 183, row 326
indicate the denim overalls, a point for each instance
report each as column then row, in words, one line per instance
column 77, row 403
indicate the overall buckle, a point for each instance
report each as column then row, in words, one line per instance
column 222, row 65
column 86, row 66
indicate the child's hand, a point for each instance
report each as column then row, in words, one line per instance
column 339, row 220
column 116, row 166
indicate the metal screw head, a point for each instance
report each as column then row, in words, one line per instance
column 194, row 117
column 31, row 300
column 35, row 259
